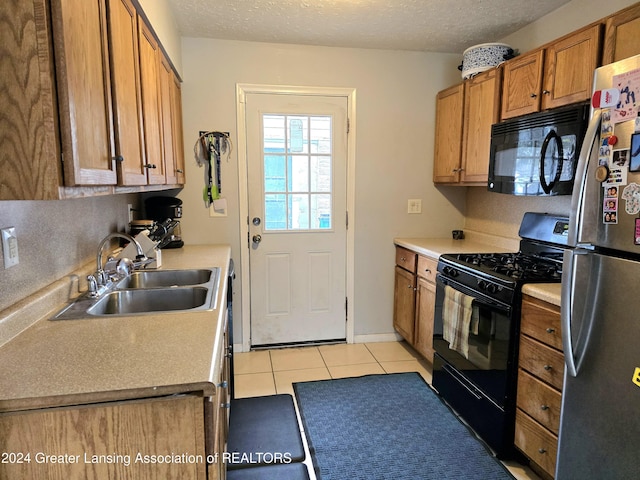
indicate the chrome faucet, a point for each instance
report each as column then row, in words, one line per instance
column 115, row 268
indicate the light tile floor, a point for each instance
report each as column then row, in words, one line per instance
column 267, row 372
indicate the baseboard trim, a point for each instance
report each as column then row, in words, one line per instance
column 377, row 337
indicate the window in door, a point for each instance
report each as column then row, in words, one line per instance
column 297, row 172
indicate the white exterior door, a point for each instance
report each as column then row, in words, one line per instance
column 296, row 172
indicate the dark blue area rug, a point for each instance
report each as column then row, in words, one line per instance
column 389, row 427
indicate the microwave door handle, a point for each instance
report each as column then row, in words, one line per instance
column 547, row 187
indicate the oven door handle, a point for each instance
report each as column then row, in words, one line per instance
column 461, row 381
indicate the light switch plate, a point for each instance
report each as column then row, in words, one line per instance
column 10, row 247
column 414, row 205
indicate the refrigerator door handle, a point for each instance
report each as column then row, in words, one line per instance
column 577, row 201
column 547, row 187
column 574, row 297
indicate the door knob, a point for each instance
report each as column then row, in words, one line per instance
column 256, row 238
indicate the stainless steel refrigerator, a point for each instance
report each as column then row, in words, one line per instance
column 600, row 420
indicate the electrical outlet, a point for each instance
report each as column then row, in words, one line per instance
column 129, row 212
column 10, row 247
column 414, row 205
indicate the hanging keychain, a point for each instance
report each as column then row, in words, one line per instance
column 207, row 152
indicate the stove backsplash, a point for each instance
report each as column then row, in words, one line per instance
column 497, row 214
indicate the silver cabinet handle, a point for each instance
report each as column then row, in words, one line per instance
column 542, row 450
column 547, row 367
column 551, row 330
column 544, row 407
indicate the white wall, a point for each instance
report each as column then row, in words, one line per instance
column 161, row 17
column 395, row 123
column 571, row 16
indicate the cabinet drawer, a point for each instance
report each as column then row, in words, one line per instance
column 406, row 259
column 542, row 361
column 427, row 268
column 536, row 442
column 541, row 321
column 539, row 400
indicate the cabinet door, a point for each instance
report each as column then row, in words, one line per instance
column 84, row 91
column 622, row 35
column 151, row 104
column 568, row 68
column 125, row 83
column 521, row 86
column 178, row 138
column 448, row 135
column 172, row 139
column 425, row 307
column 404, row 303
column 29, row 149
column 481, row 110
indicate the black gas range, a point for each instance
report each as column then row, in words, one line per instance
column 500, row 275
column 476, row 346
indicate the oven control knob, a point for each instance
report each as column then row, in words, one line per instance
column 482, row 285
column 450, row 271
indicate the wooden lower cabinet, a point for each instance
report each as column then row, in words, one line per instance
column 414, row 300
column 146, row 439
column 540, row 377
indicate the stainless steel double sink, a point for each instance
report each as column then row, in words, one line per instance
column 150, row 292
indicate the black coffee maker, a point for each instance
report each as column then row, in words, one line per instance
column 166, row 211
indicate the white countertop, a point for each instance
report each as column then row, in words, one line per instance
column 66, row 362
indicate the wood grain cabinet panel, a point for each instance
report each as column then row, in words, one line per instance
column 521, row 85
column 540, row 377
column 481, row 110
column 536, row 442
column 540, row 360
column 448, row 135
column 464, row 115
column 404, row 301
column 568, row 68
column 29, row 147
column 151, row 104
column 541, row 320
column 84, row 91
column 148, row 427
column 561, row 73
column 540, row 401
column 415, row 299
column 71, row 103
column 171, row 123
column 127, row 103
column 622, row 35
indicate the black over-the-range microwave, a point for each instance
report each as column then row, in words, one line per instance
column 537, row 154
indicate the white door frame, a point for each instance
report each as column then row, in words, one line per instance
column 241, row 90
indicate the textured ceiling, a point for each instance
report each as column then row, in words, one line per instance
column 421, row 25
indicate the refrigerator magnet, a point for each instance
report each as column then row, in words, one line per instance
column 636, row 236
column 634, row 161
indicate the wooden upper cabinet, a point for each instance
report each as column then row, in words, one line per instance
column 84, row 91
column 178, row 136
column 29, row 146
column 151, row 104
column 568, row 68
column 171, row 123
column 481, row 110
column 522, row 83
column 127, row 103
column 622, row 35
column 559, row 74
column 448, row 135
